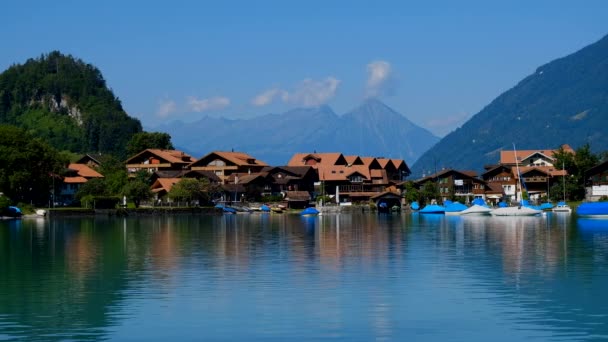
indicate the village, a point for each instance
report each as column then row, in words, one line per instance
column 338, row 179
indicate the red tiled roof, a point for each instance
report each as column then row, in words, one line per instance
column 171, row 156
column 74, row 180
column 84, row 171
column 164, row 184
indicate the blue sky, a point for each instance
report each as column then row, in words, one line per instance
column 436, row 62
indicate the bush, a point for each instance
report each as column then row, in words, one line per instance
column 105, row 202
column 4, row 202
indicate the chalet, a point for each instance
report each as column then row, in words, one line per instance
column 279, row 180
column 597, row 182
column 537, row 169
column 90, row 160
column 76, row 176
column 223, row 164
column 153, row 160
column 161, row 187
column 450, row 182
column 209, row 176
column 352, row 178
column 537, row 180
column 531, row 157
column 501, row 183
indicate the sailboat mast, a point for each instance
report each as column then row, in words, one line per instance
column 564, row 179
column 518, row 174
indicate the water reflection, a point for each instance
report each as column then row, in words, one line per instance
column 336, row 276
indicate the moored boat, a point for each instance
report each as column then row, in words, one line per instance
column 310, row 211
column 455, row 208
column 515, row 211
column 476, row 209
column 562, row 207
column 593, row 209
column 432, row 209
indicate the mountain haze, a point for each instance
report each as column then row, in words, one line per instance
column 562, row 102
column 372, row 129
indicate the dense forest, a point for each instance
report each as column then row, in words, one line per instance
column 66, row 102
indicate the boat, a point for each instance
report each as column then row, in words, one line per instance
column 455, row 208
column 476, row 209
column 593, row 209
column 40, row 212
column 432, row 209
column 264, row 208
column 524, row 209
column 562, row 206
column 515, row 211
column 310, row 211
column 277, row 210
column 415, row 206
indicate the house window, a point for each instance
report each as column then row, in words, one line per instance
column 356, row 179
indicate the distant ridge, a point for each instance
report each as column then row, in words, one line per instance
column 371, row 129
column 564, row 101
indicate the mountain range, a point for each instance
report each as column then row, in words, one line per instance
column 372, row 129
column 562, row 102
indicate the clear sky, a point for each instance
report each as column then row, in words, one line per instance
column 436, row 62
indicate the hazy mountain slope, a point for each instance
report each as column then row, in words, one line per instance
column 564, row 101
column 373, row 129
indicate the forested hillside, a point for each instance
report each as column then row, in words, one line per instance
column 65, row 101
column 562, row 102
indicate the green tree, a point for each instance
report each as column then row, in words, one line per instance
column 27, row 166
column 429, row 192
column 190, row 189
column 411, row 193
column 67, row 102
column 94, row 187
column 576, row 165
column 137, row 191
column 145, row 140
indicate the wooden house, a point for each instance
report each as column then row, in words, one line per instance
column 464, row 185
column 76, row 176
column 597, row 182
column 153, row 160
column 223, row 164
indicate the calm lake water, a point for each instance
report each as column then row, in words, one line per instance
column 346, row 277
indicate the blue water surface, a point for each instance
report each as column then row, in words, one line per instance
column 277, row 277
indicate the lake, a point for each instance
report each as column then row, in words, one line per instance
column 340, row 277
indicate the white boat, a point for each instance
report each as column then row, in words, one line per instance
column 476, row 210
column 515, row 211
column 562, row 207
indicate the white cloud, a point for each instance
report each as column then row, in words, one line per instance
column 380, row 79
column 313, row 93
column 166, row 107
column 201, row 105
column 307, row 93
column 268, row 97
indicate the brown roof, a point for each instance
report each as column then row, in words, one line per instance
column 74, row 180
column 549, row 170
column 171, row 156
column 84, row 171
column 495, row 188
column 327, row 159
column 508, row 156
column 297, row 196
column 164, row 184
column 237, row 158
